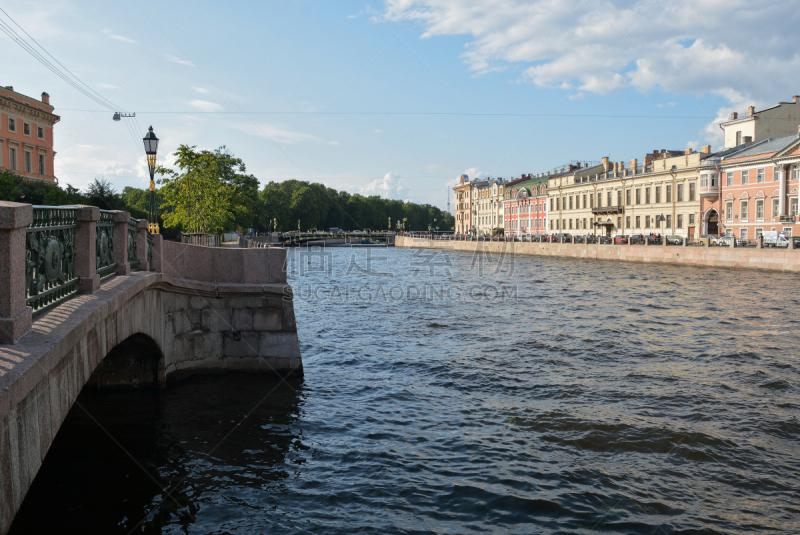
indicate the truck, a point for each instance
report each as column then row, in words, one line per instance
column 774, row 238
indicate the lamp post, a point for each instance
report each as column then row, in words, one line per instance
column 151, row 148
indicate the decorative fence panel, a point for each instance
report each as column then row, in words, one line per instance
column 133, row 232
column 50, row 257
column 106, row 267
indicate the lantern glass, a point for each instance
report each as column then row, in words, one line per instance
column 150, row 142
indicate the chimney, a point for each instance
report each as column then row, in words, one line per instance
column 748, row 140
column 688, row 151
column 10, row 87
column 46, row 98
column 751, row 111
column 634, row 164
column 795, row 99
column 706, row 149
column 605, row 164
column 663, row 153
column 734, row 116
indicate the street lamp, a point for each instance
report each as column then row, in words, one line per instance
column 151, row 148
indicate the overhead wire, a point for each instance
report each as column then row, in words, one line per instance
column 67, row 76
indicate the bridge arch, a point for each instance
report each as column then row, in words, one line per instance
column 132, row 363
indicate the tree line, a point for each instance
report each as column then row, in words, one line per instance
column 211, row 191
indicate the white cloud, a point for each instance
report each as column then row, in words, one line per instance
column 108, row 86
column 120, row 37
column 377, row 131
column 175, row 59
column 682, row 47
column 201, row 90
column 388, row 187
column 204, row 105
column 473, row 173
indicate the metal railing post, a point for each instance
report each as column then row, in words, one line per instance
column 16, row 317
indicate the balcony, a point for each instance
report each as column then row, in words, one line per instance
column 616, row 209
column 708, row 186
column 787, row 219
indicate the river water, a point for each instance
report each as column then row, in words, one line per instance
column 459, row 393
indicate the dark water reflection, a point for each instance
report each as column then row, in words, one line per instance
column 600, row 397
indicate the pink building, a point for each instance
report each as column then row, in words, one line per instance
column 26, row 135
column 525, row 206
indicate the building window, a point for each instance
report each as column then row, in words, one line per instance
column 703, row 181
column 638, row 196
column 591, row 200
column 743, row 211
column 41, row 164
column 647, row 195
column 760, row 209
column 570, row 204
column 584, row 201
column 669, row 221
column 638, row 221
column 609, row 199
column 669, row 194
column 680, row 220
column 551, row 209
column 628, row 197
column 759, row 232
column 745, row 177
column 738, row 138
column 658, row 194
column 713, row 180
column 787, row 231
column 728, row 211
column 599, row 200
column 12, row 159
column 12, row 125
column 627, row 221
column 27, row 162
column 570, row 224
column 760, row 175
column 619, row 221
column 793, row 207
column 647, row 221
column 692, row 191
column 776, row 174
column 775, row 207
column 729, row 179
column 795, row 171
column 743, row 234
column 619, row 197
column 26, row 129
column 691, row 219
column 680, row 193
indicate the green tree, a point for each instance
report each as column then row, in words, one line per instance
column 210, row 194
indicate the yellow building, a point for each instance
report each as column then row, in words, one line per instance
column 463, row 208
column 487, row 200
column 660, row 196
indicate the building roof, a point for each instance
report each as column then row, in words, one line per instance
column 766, row 146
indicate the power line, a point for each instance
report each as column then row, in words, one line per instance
column 70, row 78
column 411, row 113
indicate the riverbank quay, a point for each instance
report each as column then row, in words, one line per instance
column 786, row 260
column 90, row 297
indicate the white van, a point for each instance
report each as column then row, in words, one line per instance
column 773, row 238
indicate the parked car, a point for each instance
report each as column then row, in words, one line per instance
column 562, row 237
column 796, row 240
column 527, row 238
column 655, row 239
column 709, row 239
column 637, row 239
column 620, row 240
column 725, row 241
column 605, row 240
column 674, row 240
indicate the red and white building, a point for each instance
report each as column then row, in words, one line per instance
column 26, row 135
column 525, row 206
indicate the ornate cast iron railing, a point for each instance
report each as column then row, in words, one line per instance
column 106, row 266
column 133, row 232
column 50, row 257
column 150, row 251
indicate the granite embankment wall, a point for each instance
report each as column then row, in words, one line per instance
column 719, row 257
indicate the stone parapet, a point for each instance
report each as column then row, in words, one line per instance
column 15, row 316
column 719, row 257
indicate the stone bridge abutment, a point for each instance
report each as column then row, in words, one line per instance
column 171, row 311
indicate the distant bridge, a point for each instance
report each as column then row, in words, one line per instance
column 89, row 297
column 299, row 239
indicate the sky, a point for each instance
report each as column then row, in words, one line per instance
column 398, row 98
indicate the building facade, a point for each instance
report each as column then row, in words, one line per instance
column 660, row 196
column 487, row 198
column 777, row 121
column 26, row 135
column 463, row 208
column 757, row 189
column 525, row 206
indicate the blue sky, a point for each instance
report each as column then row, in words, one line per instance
column 376, row 98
